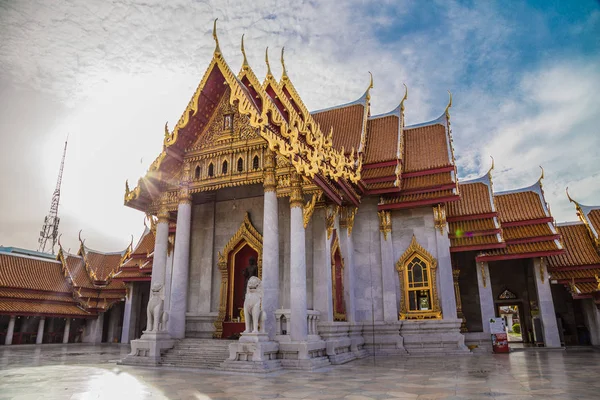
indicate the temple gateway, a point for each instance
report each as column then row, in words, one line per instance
column 362, row 236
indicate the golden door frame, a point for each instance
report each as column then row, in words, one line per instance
column 415, row 249
column 335, row 247
column 246, row 234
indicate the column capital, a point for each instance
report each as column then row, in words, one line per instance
column 296, row 197
column 269, row 183
column 163, row 213
column 184, row 196
column 439, row 217
column 347, row 215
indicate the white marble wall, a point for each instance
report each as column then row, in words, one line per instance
column 591, row 315
column 202, row 260
column 367, row 263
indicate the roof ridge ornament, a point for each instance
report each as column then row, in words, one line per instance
column 403, row 99
column 569, row 196
column 541, row 176
column 284, row 75
column 447, row 111
column 269, row 74
column 245, row 64
column 368, row 93
column 492, row 166
column 167, row 134
column 217, row 48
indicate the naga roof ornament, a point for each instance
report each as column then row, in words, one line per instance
column 447, row 111
column 402, row 101
column 284, row 75
column 269, row 74
column 245, row 63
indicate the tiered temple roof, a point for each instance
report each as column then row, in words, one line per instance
column 138, row 266
column 579, row 267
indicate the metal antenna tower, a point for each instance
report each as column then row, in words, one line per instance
column 49, row 232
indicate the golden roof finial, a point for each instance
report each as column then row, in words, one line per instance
column 167, row 134
column 542, row 175
column 217, row 48
column 569, row 196
column 370, row 87
column 269, row 74
column 404, row 98
column 284, row 75
column 59, row 245
column 492, row 167
column 447, row 111
column 127, row 186
column 245, row 64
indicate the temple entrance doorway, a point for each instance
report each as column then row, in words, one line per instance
column 240, row 259
column 512, row 316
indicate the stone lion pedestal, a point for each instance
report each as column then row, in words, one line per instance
column 155, row 340
column 254, row 352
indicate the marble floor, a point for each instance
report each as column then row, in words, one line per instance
column 90, row 372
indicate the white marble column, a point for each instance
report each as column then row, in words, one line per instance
column 322, row 275
column 181, row 265
column 298, row 327
column 39, row 339
column 125, row 332
column 67, row 330
column 347, row 247
column 388, row 270
column 445, row 280
column 10, row 331
column 486, row 299
column 160, row 247
column 546, row 304
column 270, row 257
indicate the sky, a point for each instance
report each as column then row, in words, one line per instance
column 525, row 79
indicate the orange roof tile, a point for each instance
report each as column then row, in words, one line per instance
column 31, row 273
column 594, row 218
column 379, row 172
column 474, row 240
column 22, row 294
column 146, row 244
column 29, row 307
column 427, row 181
column 380, row 185
column 102, row 265
column 474, row 199
column 473, row 225
column 347, row 123
column 382, row 139
column 527, row 231
column 418, row 196
column 524, row 248
column 579, row 248
column 586, row 287
column 576, row 274
column 519, row 206
column 425, row 147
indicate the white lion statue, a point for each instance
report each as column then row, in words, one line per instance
column 253, row 312
column 157, row 318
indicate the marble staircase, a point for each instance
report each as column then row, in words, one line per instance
column 197, row 353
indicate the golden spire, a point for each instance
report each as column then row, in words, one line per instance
column 245, row 64
column 269, row 74
column 541, row 176
column 403, row 99
column 447, row 111
column 217, row 48
column 284, row 75
column 167, row 134
column 569, row 197
column 492, row 167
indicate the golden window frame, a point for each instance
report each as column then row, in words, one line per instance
column 416, row 250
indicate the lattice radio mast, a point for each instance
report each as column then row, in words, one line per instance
column 49, row 232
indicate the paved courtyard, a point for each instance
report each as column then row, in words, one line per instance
column 90, row 372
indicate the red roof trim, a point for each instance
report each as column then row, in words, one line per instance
column 392, row 163
column 388, row 178
column 574, row 268
column 384, row 190
column 533, row 239
column 488, row 232
column 472, row 217
column 577, row 280
column 519, row 256
column 458, row 249
column 449, row 168
column 430, row 189
column 528, row 222
column 132, row 279
column 397, row 206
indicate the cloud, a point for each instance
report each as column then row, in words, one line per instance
column 111, row 73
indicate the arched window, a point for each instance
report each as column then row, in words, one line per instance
column 197, row 172
column 224, row 168
column 240, row 166
column 255, row 162
column 211, row 170
column 416, row 271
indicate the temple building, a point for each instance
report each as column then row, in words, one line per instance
column 363, row 237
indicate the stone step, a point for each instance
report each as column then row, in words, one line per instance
column 197, row 353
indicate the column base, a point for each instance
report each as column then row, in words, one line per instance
column 253, row 353
column 427, row 337
column 338, row 343
column 148, row 349
column 304, row 355
column 200, row 326
column 383, row 338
